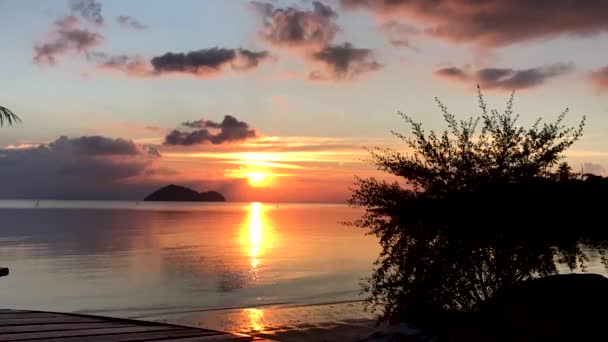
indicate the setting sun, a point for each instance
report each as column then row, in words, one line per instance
column 256, row 178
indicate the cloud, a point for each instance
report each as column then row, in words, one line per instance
column 600, row 78
column 129, row 22
column 134, row 66
column 293, row 27
column 67, row 37
column 207, row 62
column 452, row 73
column 77, row 168
column 399, row 34
column 343, row 62
column 200, row 63
column 89, row 10
column 505, row 78
column 207, row 131
column 246, row 59
column 96, row 146
column 492, row 23
column 312, row 31
column 153, row 128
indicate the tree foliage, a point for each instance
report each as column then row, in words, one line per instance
column 7, row 116
column 483, row 205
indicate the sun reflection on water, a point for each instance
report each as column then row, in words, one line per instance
column 258, row 234
column 256, row 317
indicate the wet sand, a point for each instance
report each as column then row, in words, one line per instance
column 324, row 322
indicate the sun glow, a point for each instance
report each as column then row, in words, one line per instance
column 256, row 178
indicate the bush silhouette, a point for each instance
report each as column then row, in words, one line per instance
column 482, row 206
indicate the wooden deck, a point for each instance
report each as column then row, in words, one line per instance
column 17, row 325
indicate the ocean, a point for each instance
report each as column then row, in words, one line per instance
column 283, row 270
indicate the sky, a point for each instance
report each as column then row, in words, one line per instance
column 274, row 100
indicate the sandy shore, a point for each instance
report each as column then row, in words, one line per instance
column 322, row 322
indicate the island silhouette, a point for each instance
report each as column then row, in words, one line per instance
column 177, row 193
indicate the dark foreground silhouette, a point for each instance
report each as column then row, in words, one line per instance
column 567, row 307
column 176, row 193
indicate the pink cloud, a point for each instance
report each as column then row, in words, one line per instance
column 67, row 37
column 493, row 23
column 600, row 78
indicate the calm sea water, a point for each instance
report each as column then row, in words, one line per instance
column 234, row 266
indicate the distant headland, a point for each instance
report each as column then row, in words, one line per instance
column 176, row 193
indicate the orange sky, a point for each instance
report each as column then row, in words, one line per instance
column 273, row 169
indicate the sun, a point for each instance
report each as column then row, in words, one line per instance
column 256, row 178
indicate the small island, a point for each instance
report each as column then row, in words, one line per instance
column 176, row 193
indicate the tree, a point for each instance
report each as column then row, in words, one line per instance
column 472, row 211
column 6, row 115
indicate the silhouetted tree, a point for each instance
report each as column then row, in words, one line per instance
column 474, row 211
column 564, row 172
column 7, row 116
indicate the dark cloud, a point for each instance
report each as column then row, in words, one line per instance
column 343, row 62
column 247, row 59
column 314, row 31
column 129, row 22
column 600, row 78
column 207, row 131
column 200, row 63
column 207, row 62
column 95, row 146
column 200, row 124
column 452, row 73
column 85, row 167
column 399, row 34
column 297, row 27
column 505, row 78
column 194, row 62
column 90, row 10
column 67, row 37
column 495, row 22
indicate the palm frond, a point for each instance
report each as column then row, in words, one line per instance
column 8, row 117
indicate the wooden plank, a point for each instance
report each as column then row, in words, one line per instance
column 22, row 315
column 40, row 326
column 52, row 327
column 81, row 332
column 49, row 320
column 140, row 336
